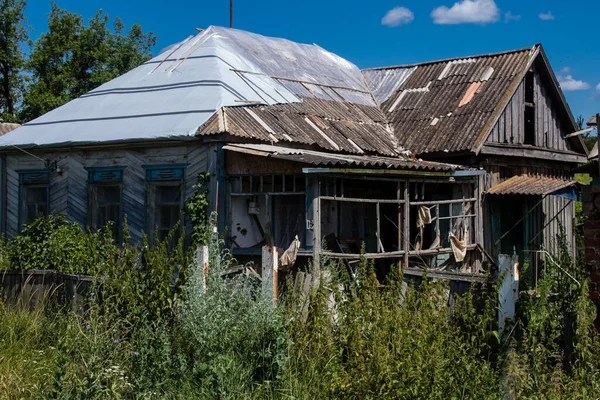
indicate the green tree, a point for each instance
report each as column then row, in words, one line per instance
column 13, row 35
column 73, row 58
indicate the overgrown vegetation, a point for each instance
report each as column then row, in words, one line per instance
column 158, row 326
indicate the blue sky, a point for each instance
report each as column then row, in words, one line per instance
column 386, row 32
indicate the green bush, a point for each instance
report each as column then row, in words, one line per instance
column 56, row 244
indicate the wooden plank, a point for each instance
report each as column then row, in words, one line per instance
column 532, row 152
column 380, row 248
column 317, row 239
column 202, row 258
column 509, row 123
column 270, row 274
column 453, row 276
column 520, row 111
column 399, row 222
column 501, row 128
column 540, row 136
column 3, row 195
column 406, row 226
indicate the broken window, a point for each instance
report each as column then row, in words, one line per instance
column 105, row 196
column 267, row 209
column 530, row 108
column 164, row 198
column 34, row 195
column 429, row 222
column 438, row 210
column 362, row 212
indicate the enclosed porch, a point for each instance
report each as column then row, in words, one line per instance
column 396, row 211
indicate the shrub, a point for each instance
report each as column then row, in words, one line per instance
column 54, row 243
column 234, row 336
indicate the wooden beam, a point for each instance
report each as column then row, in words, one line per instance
column 202, row 263
column 363, row 171
column 452, row 276
column 406, row 227
column 525, row 151
column 270, row 272
column 581, row 132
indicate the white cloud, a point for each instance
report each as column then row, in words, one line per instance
column 509, row 16
column 467, row 11
column 570, row 84
column 398, row 16
column 546, row 16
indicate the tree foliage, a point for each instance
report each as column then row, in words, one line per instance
column 13, row 35
column 72, row 58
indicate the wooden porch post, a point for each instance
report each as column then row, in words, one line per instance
column 270, row 271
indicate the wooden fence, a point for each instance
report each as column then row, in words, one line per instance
column 37, row 288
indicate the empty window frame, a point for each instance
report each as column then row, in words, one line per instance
column 165, row 198
column 105, row 195
column 33, row 195
column 358, row 211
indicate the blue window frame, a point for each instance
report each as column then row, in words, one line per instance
column 105, row 196
column 34, row 193
column 165, row 185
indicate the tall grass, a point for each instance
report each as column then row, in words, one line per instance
column 154, row 329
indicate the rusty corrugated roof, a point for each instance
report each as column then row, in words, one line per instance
column 425, row 110
column 323, row 159
column 530, row 185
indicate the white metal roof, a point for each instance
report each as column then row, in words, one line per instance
column 173, row 94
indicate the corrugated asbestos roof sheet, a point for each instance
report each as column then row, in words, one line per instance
column 329, row 125
column 530, row 185
column 424, row 110
column 322, row 159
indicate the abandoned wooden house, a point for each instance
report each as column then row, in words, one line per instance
column 428, row 164
column 506, row 114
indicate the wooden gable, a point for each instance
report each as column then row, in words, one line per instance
column 536, row 120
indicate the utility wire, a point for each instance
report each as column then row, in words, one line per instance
column 28, row 153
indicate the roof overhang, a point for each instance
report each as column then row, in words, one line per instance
column 325, row 162
column 531, row 185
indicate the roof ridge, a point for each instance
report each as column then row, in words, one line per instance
column 418, row 64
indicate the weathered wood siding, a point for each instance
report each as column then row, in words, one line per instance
column 510, row 128
column 549, row 218
column 559, row 219
column 69, row 188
